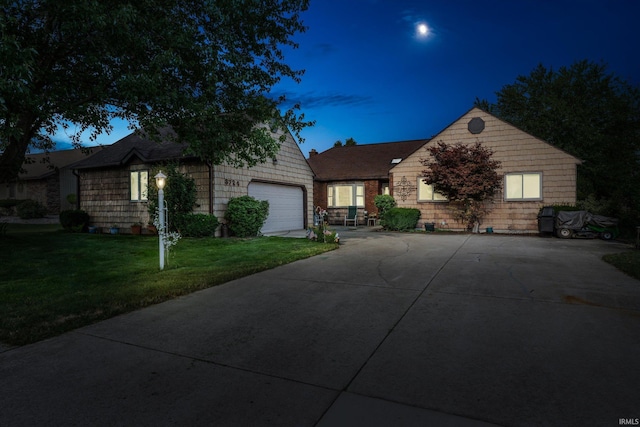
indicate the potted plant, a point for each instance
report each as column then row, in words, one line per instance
column 114, row 229
column 152, row 228
column 136, row 228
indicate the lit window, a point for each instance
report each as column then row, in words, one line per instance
column 139, row 182
column 342, row 195
column 523, row 186
column 426, row 193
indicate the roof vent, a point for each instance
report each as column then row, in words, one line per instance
column 476, row 125
column 396, row 161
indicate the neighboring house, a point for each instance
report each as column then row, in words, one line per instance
column 47, row 179
column 113, row 183
column 535, row 174
column 353, row 175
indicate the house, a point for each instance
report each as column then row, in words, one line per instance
column 47, row 179
column 534, row 172
column 353, row 175
column 113, row 183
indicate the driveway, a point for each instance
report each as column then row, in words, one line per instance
column 389, row 330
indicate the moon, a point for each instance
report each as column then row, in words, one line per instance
column 423, row 30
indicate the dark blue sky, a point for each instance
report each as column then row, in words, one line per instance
column 369, row 76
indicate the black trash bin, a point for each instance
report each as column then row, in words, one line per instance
column 546, row 220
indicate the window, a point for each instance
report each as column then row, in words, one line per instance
column 139, row 182
column 523, row 186
column 426, row 193
column 342, row 195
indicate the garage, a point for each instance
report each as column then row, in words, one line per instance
column 286, row 206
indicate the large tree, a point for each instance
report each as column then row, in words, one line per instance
column 204, row 68
column 589, row 113
column 467, row 175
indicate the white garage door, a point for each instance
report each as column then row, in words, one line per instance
column 285, row 206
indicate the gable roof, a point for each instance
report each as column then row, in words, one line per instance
column 369, row 161
column 43, row 165
column 135, row 144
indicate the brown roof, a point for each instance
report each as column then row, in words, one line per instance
column 370, row 161
column 42, row 165
column 135, row 144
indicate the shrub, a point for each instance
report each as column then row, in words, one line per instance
column 31, row 209
column 246, row 215
column 74, row 220
column 10, row 203
column 384, row 202
column 401, row 219
column 197, row 225
column 180, row 193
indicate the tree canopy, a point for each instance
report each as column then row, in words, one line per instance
column 466, row 175
column 204, row 68
column 589, row 113
column 348, row 143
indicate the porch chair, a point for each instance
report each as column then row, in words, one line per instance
column 352, row 215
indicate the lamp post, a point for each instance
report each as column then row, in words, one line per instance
column 161, row 180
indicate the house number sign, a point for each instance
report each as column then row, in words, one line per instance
column 232, row 182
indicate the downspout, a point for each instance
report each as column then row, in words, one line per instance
column 77, row 175
column 210, row 166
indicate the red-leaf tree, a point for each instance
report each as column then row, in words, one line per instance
column 466, row 175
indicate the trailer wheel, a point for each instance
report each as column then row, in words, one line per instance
column 565, row 233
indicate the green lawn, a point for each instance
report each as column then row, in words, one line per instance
column 629, row 262
column 54, row 281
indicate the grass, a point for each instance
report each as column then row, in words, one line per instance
column 629, row 262
column 53, row 281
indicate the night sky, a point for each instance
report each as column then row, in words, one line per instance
column 372, row 76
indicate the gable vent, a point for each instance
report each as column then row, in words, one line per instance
column 476, row 125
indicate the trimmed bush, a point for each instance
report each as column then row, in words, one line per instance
column 197, row 225
column 74, row 220
column 384, row 202
column 31, row 209
column 246, row 215
column 401, row 219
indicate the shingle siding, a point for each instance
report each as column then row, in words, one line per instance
column 105, row 192
column 518, row 152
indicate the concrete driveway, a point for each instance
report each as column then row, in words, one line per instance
column 389, row 330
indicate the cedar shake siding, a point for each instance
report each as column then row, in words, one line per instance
column 47, row 179
column 520, row 154
column 105, row 191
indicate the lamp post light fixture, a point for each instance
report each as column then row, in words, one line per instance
column 161, row 180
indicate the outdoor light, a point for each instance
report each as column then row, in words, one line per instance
column 161, row 180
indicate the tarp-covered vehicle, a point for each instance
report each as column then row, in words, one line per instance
column 585, row 225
